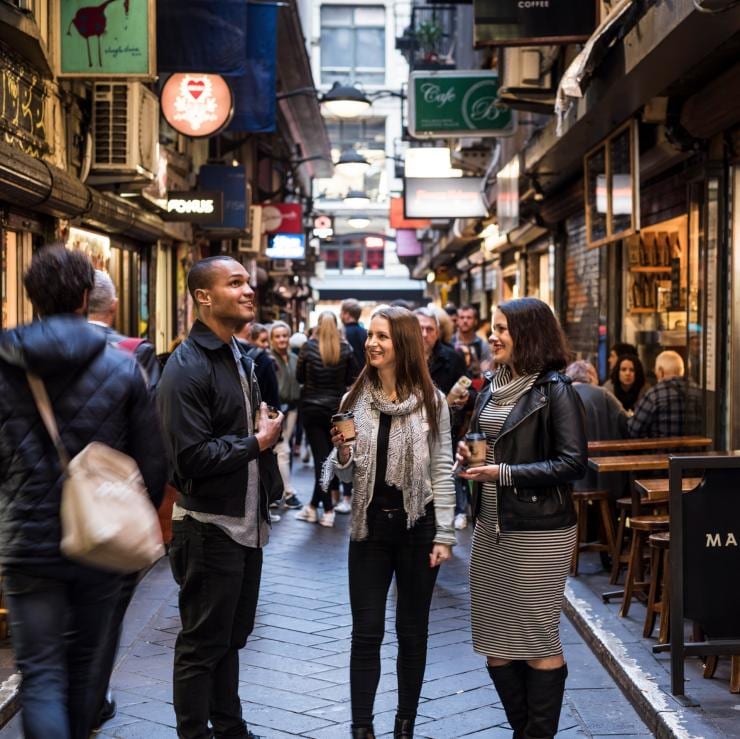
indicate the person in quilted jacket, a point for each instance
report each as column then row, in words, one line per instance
column 59, row 610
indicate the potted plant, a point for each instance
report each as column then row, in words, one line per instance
column 428, row 35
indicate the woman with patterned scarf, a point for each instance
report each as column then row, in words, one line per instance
column 403, row 504
column 525, row 520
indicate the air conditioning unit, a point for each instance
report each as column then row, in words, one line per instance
column 125, row 133
column 526, row 77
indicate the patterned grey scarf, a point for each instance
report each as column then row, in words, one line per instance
column 408, row 456
column 505, row 391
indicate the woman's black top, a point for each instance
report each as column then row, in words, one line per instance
column 385, row 496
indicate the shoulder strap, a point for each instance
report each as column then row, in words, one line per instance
column 130, row 345
column 41, row 397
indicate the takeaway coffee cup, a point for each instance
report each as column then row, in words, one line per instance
column 345, row 422
column 477, row 447
column 271, row 413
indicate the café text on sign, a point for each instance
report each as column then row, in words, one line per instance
column 443, row 104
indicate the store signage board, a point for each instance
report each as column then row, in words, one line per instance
column 284, row 218
column 109, row 39
column 444, row 197
column 195, row 207
column 197, row 105
column 445, row 104
column 397, row 219
column 533, row 22
column 232, row 182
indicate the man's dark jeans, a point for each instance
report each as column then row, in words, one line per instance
column 390, row 548
column 219, row 584
column 59, row 617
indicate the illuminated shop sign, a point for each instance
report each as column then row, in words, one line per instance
column 444, row 197
column 197, row 207
column 197, row 105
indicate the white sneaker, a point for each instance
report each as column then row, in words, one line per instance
column 327, row 520
column 461, row 521
column 307, row 514
column 274, row 517
column 344, row 507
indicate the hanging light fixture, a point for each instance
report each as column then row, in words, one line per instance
column 352, row 163
column 358, row 221
column 345, row 101
column 356, row 199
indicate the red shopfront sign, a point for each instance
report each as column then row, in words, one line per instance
column 284, row 218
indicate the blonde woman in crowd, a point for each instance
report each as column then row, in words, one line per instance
column 326, row 368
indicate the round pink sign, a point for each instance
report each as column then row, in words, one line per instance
column 197, row 105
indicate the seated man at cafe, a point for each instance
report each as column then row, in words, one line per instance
column 670, row 407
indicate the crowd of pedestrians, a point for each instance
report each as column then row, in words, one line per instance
column 221, row 417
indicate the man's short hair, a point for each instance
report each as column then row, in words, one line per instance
column 103, row 294
column 352, row 308
column 57, row 280
column 256, row 329
column 671, row 363
column 428, row 313
column 467, row 306
column 200, row 276
column 278, row 324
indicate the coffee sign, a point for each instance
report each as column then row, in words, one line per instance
column 444, row 104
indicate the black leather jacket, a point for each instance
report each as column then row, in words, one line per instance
column 543, row 441
column 201, row 402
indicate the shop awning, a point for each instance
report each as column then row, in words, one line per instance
column 301, row 114
column 665, row 43
column 378, row 296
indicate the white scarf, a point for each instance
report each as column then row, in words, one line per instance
column 408, row 456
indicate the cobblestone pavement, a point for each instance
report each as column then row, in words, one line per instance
column 294, row 670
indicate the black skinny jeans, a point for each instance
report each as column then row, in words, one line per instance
column 391, row 548
column 317, row 426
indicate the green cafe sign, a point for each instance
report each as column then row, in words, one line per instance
column 444, row 104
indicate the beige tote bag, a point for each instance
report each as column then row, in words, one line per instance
column 108, row 520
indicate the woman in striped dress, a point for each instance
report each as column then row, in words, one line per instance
column 525, row 521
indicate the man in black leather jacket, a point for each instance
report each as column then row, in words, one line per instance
column 60, row 610
column 208, row 397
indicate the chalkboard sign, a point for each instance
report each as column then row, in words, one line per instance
column 705, row 557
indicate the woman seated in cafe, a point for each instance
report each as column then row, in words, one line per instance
column 627, row 381
column 525, row 520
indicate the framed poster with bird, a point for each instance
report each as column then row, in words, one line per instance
column 106, row 38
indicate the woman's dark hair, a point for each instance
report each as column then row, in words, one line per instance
column 628, row 398
column 412, row 373
column 539, row 342
column 57, row 280
column 622, row 347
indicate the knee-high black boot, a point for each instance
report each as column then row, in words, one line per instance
column 363, row 732
column 545, row 690
column 404, row 728
column 509, row 681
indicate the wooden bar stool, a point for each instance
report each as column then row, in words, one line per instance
column 659, row 599
column 641, row 527
column 582, row 499
column 711, row 665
